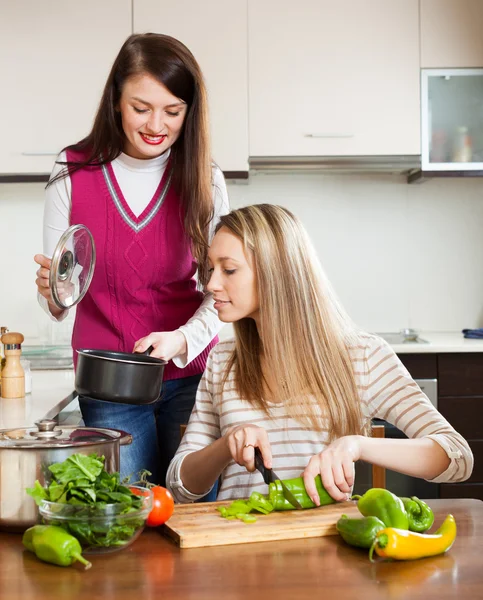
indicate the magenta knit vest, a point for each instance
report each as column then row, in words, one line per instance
column 144, row 275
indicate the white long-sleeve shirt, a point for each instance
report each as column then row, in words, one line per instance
column 386, row 391
column 138, row 180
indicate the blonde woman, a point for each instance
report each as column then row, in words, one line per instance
column 299, row 381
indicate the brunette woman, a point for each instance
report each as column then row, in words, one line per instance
column 144, row 183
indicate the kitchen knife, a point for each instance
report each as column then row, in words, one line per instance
column 269, row 476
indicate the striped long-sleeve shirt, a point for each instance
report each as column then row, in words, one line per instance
column 386, row 391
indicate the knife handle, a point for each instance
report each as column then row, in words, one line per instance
column 261, row 467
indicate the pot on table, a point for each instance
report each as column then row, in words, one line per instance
column 100, row 374
column 26, row 453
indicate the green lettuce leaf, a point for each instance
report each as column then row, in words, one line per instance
column 38, row 493
column 78, row 466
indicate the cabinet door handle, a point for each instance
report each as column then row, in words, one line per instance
column 39, row 153
column 329, row 135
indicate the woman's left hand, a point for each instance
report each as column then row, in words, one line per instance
column 166, row 344
column 335, row 465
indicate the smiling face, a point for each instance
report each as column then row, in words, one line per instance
column 152, row 118
column 232, row 278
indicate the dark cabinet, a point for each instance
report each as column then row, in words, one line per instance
column 465, row 413
column 460, row 401
column 460, row 374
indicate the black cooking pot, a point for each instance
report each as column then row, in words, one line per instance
column 119, row 376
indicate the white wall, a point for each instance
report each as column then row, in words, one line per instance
column 398, row 255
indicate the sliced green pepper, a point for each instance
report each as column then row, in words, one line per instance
column 236, row 508
column 420, row 515
column 276, row 500
column 257, row 502
column 386, row 506
column 260, row 503
column 247, row 518
column 359, row 532
column 297, row 487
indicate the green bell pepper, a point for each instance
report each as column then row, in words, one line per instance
column 240, row 509
column 420, row 515
column 359, row 532
column 297, row 487
column 384, row 505
column 54, row 545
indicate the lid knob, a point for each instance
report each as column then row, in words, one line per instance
column 45, row 429
column 46, row 424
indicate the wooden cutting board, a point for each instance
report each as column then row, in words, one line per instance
column 198, row 525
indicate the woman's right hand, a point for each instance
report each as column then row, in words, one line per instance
column 42, row 281
column 242, row 441
column 43, row 284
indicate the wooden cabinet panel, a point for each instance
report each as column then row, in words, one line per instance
column 421, row 366
column 216, row 32
column 460, row 401
column 451, row 33
column 477, row 449
column 54, row 62
column 464, row 414
column 333, row 78
column 460, row 374
column 461, row 490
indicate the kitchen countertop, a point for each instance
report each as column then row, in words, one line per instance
column 301, row 569
column 51, row 392
column 452, row 341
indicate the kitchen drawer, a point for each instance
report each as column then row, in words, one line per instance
column 477, row 449
column 460, row 374
column 421, row 366
column 461, row 490
column 464, row 414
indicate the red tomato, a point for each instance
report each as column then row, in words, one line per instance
column 163, row 506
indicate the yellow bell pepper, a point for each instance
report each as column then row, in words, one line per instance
column 400, row 544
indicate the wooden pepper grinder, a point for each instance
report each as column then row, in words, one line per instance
column 13, row 377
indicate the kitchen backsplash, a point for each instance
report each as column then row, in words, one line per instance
column 398, row 255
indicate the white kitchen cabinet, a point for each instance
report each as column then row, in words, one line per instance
column 451, row 33
column 54, row 59
column 334, row 77
column 216, row 32
column 452, row 127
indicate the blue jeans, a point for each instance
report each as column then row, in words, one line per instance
column 155, row 428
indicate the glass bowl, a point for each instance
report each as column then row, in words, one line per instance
column 100, row 528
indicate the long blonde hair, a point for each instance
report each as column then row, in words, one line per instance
column 304, row 334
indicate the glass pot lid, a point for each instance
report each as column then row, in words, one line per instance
column 72, row 266
column 47, row 434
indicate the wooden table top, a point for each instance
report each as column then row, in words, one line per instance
column 153, row 567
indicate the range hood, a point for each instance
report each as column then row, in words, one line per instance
column 399, row 165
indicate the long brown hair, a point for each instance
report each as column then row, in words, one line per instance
column 172, row 64
column 304, row 334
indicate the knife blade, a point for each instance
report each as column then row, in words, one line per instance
column 269, row 476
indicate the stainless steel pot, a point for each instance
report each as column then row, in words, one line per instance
column 26, row 454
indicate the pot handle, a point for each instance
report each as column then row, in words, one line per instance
column 125, row 439
column 146, row 352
